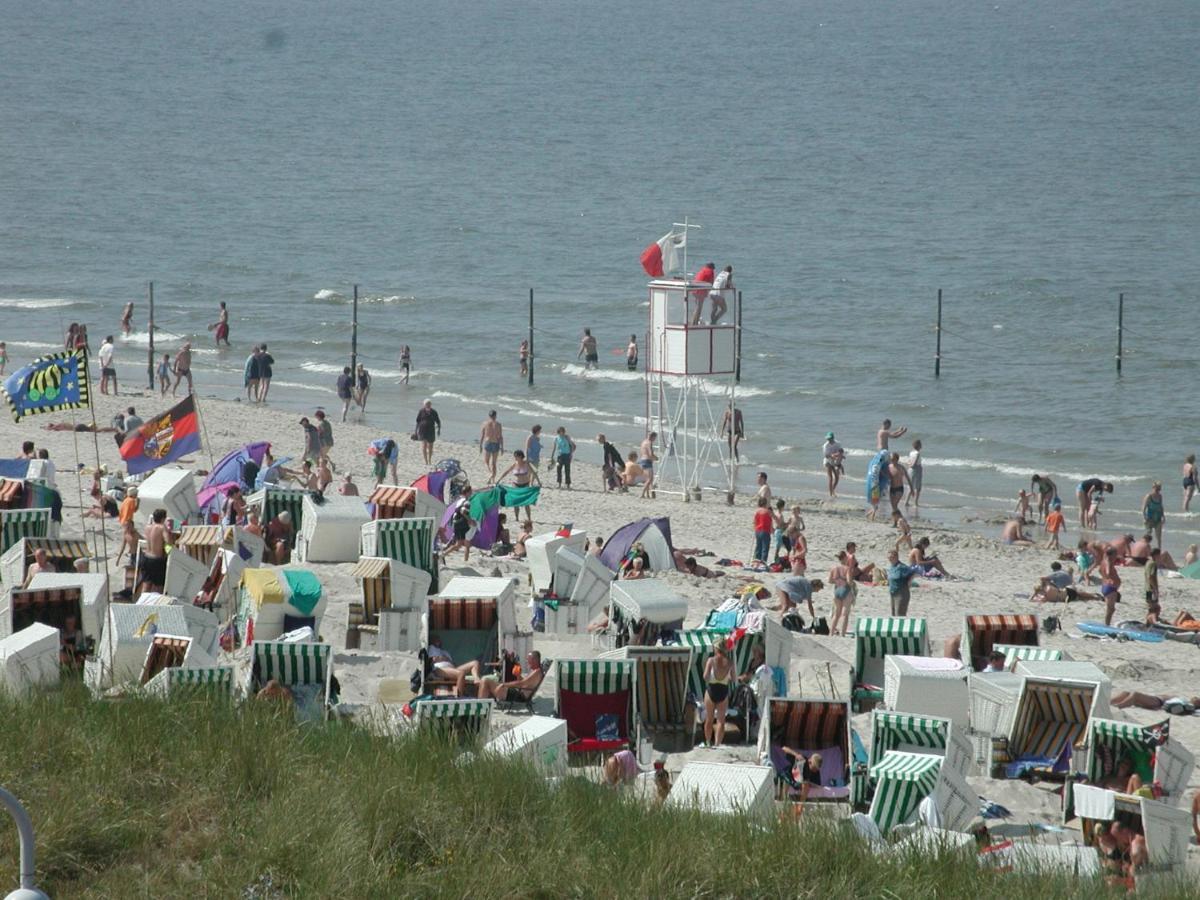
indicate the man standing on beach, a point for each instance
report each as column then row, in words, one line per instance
column 491, row 443
column 107, row 370
column 220, row 328
column 533, row 447
column 899, row 578
column 833, row 456
column 266, row 369
column 587, row 350
column 251, row 374
column 345, row 390
column 312, row 440
column 885, row 432
column 734, row 427
column 154, row 561
column 646, row 458
column 429, row 427
column 325, row 435
column 183, row 367
column 764, row 490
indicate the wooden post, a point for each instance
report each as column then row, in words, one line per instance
column 1120, row 329
column 937, row 354
column 354, row 341
column 737, row 364
column 529, row 354
column 150, row 352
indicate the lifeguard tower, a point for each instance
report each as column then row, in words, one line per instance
column 690, row 383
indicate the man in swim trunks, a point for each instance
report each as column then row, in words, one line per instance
column 405, row 361
column 646, row 459
column 722, row 288
column 587, row 350
column 833, row 455
column 221, row 326
column 897, row 479
column 1110, row 584
column 734, row 433
column 154, row 560
column 491, row 443
column 183, row 367
column 1013, row 534
column 1086, row 492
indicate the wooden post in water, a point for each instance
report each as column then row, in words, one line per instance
column 529, row 353
column 354, row 342
column 150, row 352
column 937, row 354
column 1120, row 329
column 737, row 366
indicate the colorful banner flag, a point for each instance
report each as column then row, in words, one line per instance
column 163, row 438
column 50, row 383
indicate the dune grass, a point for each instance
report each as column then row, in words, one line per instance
column 194, row 799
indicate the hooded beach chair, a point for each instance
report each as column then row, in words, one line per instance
column 409, row 541
column 16, row 524
column 1157, row 757
column 305, row 668
column 93, row 591
column 177, row 664
column 174, row 489
column 22, row 607
column 392, row 600
column 468, row 628
column 128, row 631
column 393, row 502
column 641, row 609
column 272, row 500
column 1075, row 671
column 541, row 551
column 598, row 699
column 186, row 576
column 701, row 641
column 920, row 734
column 30, row 659
column 1050, row 720
column 927, row 685
column 662, row 676
column 201, row 542
column 810, row 726
column 513, row 638
column 875, row 638
column 273, row 602
column 588, row 598
column 330, row 530
column 724, row 789
column 541, row 740
column 1167, row 828
column 903, row 780
column 468, row 720
column 981, row 634
column 61, row 553
column 1016, row 652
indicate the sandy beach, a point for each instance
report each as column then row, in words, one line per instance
column 987, row 576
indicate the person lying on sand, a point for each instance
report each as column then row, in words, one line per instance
column 1176, row 705
column 688, row 565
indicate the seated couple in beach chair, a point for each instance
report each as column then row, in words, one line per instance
column 515, row 686
column 443, row 677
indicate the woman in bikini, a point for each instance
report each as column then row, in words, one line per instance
column 843, row 594
column 718, row 673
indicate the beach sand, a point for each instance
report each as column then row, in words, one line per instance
column 990, row 577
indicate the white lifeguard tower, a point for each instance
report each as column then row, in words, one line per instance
column 691, row 370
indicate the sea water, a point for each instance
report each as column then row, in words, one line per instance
column 849, row 159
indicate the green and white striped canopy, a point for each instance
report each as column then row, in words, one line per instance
column 22, row 523
column 903, row 781
column 453, row 709
column 289, row 500
column 291, row 663
column 1126, row 738
column 1013, row 652
column 877, row 637
column 595, row 676
column 701, row 641
column 409, row 541
column 890, row 730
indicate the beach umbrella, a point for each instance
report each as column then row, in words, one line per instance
column 229, row 467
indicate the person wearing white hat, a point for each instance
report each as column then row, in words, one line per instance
column 833, row 455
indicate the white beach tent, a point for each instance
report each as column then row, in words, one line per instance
column 725, row 788
column 929, row 685
column 61, row 553
column 29, row 659
column 173, row 489
column 393, row 598
column 588, row 599
column 93, row 591
column 331, row 529
column 541, row 551
column 542, row 740
column 128, row 632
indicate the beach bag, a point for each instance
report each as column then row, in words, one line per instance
column 414, row 437
column 1050, row 624
column 820, row 625
column 793, row 622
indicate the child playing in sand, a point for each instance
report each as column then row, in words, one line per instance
column 1055, row 525
column 901, row 524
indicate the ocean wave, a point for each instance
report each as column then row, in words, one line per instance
column 708, row 386
column 327, row 294
column 602, row 374
column 295, row 384
column 322, row 368
column 142, row 338
column 34, row 345
column 39, row 303
column 557, row 408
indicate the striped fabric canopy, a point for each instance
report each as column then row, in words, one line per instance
column 903, row 781
column 1126, row 738
column 392, row 502
column 877, row 637
column 23, row 523
column 372, row 567
column 409, row 541
column 662, row 675
column 202, row 535
column 810, row 724
column 453, row 709
column 1013, row 652
column 1048, row 715
column 291, row 663
column 62, row 551
column 984, row 632
column 701, row 641
column 890, row 730
column 595, row 676
column 289, row 500
column 216, row 678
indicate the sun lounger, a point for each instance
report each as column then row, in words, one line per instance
column 272, row 500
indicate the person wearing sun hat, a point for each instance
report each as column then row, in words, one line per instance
column 832, row 457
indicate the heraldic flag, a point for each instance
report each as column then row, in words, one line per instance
column 163, row 438
column 50, row 383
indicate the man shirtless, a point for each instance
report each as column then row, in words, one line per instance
column 897, row 478
column 646, row 459
column 154, row 560
column 183, row 367
column 734, row 427
column 491, row 443
column 529, row 681
column 587, row 350
column 221, row 326
column 41, row 563
column 1013, row 534
column 1110, row 584
column 885, row 432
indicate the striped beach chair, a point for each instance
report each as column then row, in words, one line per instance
column 982, row 633
column 919, row 734
column 395, row 590
column 293, row 665
column 902, row 781
column 201, row 542
column 1051, row 718
column 1014, row 652
column 1169, row 764
column 1166, row 828
column 16, row 524
column 62, row 553
column 279, row 499
column 662, row 676
column 874, row 639
column 811, row 726
column 49, row 606
column 590, row 688
column 465, row 720
column 166, row 651
column 390, row 502
column 701, row 641
column 409, row 541
column 209, row 681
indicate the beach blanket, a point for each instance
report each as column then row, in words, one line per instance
column 304, row 588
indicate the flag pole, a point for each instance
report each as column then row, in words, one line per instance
column 96, row 445
column 204, row 430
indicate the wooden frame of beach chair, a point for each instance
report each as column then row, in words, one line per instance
column 30, row 659
column 1167, row 828
column 292, row 664
column 663, row 710
column 1015, row 652
column 907, row 687
column 724, row 789
column 542, row 740
column 16, row 524
column 129, row 629
column 62, row 553
column 409, row 541
column 810, row 725
column 213, row 680
column 981, row 633
column 1172, row 761
column 588, row 688
column 1051, row 718
column 392, row 598
column 468, row 720
column 875, row 637
column 166, row 651
column 568, row 564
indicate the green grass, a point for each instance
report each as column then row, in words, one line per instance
column 190, row 799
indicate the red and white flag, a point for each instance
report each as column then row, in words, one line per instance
column 665, row 255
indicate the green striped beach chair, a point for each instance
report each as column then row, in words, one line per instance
column 874, row 639
column 1014, row 652
column 208, row 681
column 701, row 641
column 294, row 666
column 662, row 676
column 587, row 689
column 903, row 780
column 16, row 524
column 409, row 541
column 275, row 500
column 466, row 720
column 912, row 733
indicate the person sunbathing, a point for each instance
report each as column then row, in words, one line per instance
column 1186, row 620
column 1172, row 704
column 1052, row 594
column 688, row 565
column 515, row 691
column 1121, row 848
column 1124, row 780
column 443, row 666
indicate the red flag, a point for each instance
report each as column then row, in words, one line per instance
column 665, row 255
column 565, row 530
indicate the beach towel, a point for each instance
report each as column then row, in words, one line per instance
column 305, row 589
